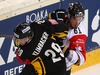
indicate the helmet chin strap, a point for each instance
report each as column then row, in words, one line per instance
column 27, row 39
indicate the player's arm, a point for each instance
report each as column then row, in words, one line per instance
column 50, row 25
column 21, row 56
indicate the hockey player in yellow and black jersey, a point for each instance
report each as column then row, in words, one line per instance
column 38, row 49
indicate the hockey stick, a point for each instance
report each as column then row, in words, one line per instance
column 64, row 49
column 6, row 36
column 60, row 5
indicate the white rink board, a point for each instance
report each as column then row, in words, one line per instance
column 17, row 7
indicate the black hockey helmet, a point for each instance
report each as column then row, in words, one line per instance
column 22, row 30
column 59, row 14
column 75, row 9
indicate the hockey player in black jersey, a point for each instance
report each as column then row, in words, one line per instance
column 37, row 47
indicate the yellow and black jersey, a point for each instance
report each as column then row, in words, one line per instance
column 42, row 51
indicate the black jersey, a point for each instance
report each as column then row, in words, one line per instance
column 42, row 51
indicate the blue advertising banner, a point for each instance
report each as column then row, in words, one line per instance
column 8, row 63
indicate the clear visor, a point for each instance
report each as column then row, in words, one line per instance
column 77, row 18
